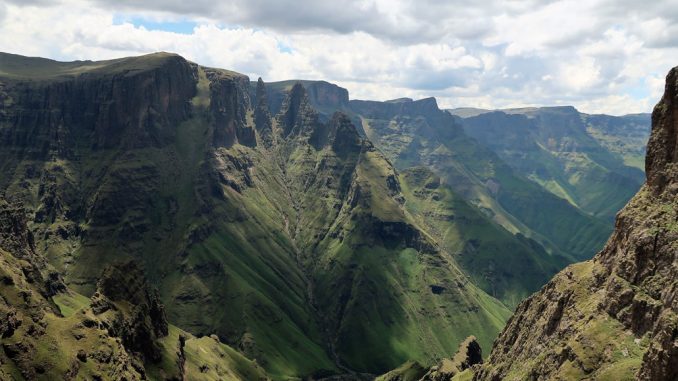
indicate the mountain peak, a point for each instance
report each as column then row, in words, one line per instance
column 296, row 112
column 343, row 134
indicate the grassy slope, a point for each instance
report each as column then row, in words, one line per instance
column 206, row 358
column 601, row 343
column 488, row 253
column 382, row 289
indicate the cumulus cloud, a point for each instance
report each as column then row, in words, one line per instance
column 600, row 55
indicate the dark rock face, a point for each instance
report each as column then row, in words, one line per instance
column 14, row 234
column 140, row 326
column 229, row 102
column 262, row 115
column 340, row 134
column 399, row 234
column 406, row 106
column 627, row 292
column 327, row 95
column 344, row 136
column 323, row 96
column 297, row 116
column 130, row 108
column 8, row 321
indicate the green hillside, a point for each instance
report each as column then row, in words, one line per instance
column 568, row 153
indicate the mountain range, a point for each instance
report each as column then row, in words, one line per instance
column 189, row 222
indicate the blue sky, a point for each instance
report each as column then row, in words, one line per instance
column 601, row 56
column 181, row 26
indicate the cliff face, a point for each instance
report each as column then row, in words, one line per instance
column 325, row 97
column 229, row 105
column 100, row 108
column 615, row 316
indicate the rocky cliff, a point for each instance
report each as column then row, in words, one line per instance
column 616, row 316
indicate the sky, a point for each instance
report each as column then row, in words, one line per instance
column 601, row 56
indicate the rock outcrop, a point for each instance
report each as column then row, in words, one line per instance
column 262, row 115
column 468, row 355
column 135, row 312
column 615, row 316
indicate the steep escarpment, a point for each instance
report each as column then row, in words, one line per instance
column 229, row 105
column 613, row 317
column 131, row 103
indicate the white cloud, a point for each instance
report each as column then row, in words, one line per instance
column 581, row 75
column 489, row 54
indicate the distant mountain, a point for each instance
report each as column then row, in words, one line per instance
column 624, row 135
column 419, row 133
column 581, row 158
